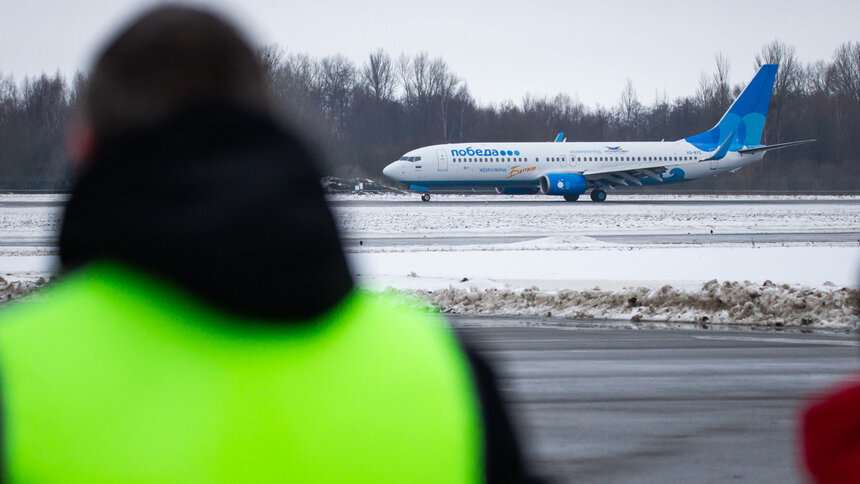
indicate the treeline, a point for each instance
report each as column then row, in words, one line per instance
column 33, row 120
column 362, row 117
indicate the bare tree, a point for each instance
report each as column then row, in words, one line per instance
column 466, row 112
column 8, row 97
column 818, row 78
column 787, row 77
column 629, row 106
column 336, row 83
column 846, row 67
column 722, row 90
column 415, row 78
column 378, row 77
column 443, row 86
column 705, row 91
column 270, row 58
column 294, row 84
column 714, row 93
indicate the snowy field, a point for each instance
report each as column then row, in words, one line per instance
column 566, row 271
column 456, row 215
column 562, row 268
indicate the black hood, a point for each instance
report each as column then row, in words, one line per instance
column 219, row 200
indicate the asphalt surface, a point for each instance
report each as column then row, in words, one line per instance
column 635, row 239
column 609, row 200
column 31, row 204
column 515, row 201
column 604, row 405
column 684, row 239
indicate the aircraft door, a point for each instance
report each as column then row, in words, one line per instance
column 715, row 164
column 563, row 161
column 443, row 160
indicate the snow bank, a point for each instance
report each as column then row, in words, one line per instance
column 768, row 304
column 14, row 289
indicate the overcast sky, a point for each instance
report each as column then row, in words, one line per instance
column 502, row 49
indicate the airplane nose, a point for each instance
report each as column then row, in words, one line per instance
column 389, row 170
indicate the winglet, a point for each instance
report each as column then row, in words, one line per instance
column 722, row 150
column 559, row 138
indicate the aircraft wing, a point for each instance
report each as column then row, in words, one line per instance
column 777, row 146
column 627, row 175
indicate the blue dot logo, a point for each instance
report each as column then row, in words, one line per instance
column 517, row 153
column 510, row 153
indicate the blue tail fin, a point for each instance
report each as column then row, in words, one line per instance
column 745, row 119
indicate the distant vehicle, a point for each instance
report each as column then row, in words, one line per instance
column 573, row 169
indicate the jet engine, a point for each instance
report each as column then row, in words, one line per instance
column 563, row 184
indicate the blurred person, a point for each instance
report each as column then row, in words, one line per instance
column 831, row 435
column 206, row 327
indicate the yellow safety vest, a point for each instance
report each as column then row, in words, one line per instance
column 117, row 376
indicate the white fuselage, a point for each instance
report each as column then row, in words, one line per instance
column 469, row 165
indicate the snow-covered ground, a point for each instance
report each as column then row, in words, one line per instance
column 446, row 215
column 566, row 270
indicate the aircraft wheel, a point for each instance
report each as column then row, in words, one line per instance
column 425, row 197
column 571, row 198
column 598, row 196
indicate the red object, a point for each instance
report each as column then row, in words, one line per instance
column 831, row 436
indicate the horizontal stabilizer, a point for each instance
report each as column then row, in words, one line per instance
column 777, row 146
column 720, row 153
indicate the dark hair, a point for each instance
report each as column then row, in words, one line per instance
column 167, row 59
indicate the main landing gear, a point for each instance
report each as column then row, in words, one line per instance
column 426, row 197
column 598, row 196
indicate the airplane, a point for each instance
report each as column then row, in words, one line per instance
column 573, row 169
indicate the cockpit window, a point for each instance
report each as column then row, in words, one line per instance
column 410, row 158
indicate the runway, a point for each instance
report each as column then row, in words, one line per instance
column 32, row 204
column 659, row 406
column 634, row 239
column 631, row 239
column 483, row 199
